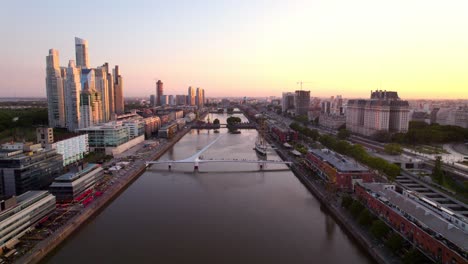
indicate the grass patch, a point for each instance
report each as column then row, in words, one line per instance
column 425, row 149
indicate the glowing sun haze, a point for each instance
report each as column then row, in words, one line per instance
column 246, row 48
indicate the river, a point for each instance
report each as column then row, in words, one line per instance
column 225, row 213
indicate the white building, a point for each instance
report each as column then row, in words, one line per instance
column 383, row 112
column 21, row 213
column 72, row 97
column 72, row 149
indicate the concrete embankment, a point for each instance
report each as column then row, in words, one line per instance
column 46, row 246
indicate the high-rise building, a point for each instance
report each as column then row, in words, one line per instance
column 55, row 91
column 72, row 96
column 118, row 92
column 102, row 88
column 159, row 91
column 302, row 102
column 199, row 97
column 153, row 100
column 172, row 100
column 191, row 96
column 79, row 90
column 287, row 102
column 164, row 100
column 383, row 112
column 110, row 89
column 181, row 99
column 81, row 50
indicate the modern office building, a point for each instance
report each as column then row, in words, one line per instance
column 339, row 171
column 32, row 169
column 168, row 131
column 430, row 227
column 55, row 90
column 72, row 149
column 383, row 112
column 112, row 138
column 70, row 185
column 301, row 102
column 81, row 51
column 191, row 96
column 153, row 100
column 102, row 87
column 110, row 89
column 21, row 213
column 118, row 92
column 181, row 99
column 45, row 135
column 287, row 102
column 159, row 92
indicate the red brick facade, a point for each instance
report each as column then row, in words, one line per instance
column 427, row 243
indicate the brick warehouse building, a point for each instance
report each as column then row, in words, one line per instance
column 342, row 172
column 426, row 229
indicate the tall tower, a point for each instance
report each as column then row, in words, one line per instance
column 191, row 96
column 118, row 92
column 159, row 92
column 72, row 96
column 81, row 50
column 55, row 91
column 110, row 89
column 199, row 97
column 102, row 88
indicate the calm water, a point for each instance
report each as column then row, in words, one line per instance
column 226, row 213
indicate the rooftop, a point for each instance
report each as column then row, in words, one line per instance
column 422, row 214
column 71, row 176
column 338, row 161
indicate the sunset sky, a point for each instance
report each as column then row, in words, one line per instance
column 246, row 48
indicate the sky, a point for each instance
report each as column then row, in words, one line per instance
column 246, row 47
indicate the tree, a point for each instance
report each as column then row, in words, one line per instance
column 356, row 208
column 413, row 256
column 365, row 217
column 393, row 149
column 394, row 242
column 232, row 120
column 382, row 136
column 343, row 134
column 437, row 172
column 347, row 201
column 379, row 229
column 216, row 121
column 302, row 119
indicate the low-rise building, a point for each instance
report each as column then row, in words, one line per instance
column 20, row 213
column 431, row 229
column 167, row 131
column 340, row 171
column 72, row 149
column 70, row 185
column 332, row 121
column 112, row 138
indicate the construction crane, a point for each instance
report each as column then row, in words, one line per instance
column 301, row 83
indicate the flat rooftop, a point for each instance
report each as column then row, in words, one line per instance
column 71, row 176
column 422, row 214
column 341, row 163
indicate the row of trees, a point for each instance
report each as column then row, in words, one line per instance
column 310, row 133
column 381, row 231
column 360, row 154
column 22, row 118
column 423, row 133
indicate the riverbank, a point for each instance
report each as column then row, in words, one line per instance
column 329, row 201
column 48, row 245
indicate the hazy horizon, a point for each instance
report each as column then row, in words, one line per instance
column 246, row 48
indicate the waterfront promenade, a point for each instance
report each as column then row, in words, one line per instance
column 121, row 181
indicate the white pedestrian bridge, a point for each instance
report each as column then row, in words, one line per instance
column 196, row 160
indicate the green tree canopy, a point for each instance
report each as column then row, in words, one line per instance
column 393, row 149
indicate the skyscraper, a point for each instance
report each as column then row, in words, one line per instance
column 81, row 50
column 102, row 88
column 199, row 97
column 302, row 102
column 110, row 89
column 287, row 102
column 118, row 92
column 191, row 96
column 55, row 91
column 72, row 96
column 159, row 92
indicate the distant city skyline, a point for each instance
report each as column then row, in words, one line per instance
column 252, row 48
